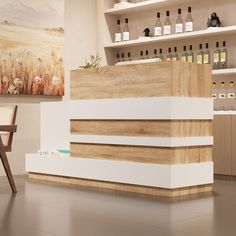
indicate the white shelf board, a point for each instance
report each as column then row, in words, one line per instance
column 223, row 113
column 164, row 38
column 143, row 6
column 224, row 71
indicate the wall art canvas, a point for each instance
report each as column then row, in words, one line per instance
column 32, row 47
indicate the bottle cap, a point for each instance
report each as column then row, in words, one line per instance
column 217, row 44
column 175, row 49
column 160, row 50
column 155, row 51
column 123, row 55
column 207, row 45
column 191, row 47
column 185, row 48
column 129, row 54
column 158, row 15
column 179, row 11
column 167, row 13
column 126, row 20
column 118, row 22
column 189, row 9
column 117, row 55
column 224, row 43
column 200, row 46
column 141, row 53
column 146, row 52
column 169, row 50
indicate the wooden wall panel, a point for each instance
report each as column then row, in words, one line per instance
column 222, row 154
column 234, row 145
column 142, row 154
column 163, row 128
column 142, row 80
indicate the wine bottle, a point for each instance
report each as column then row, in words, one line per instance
column 175, row 56
column 141, row 55
column 231, row 102
column 161, row 55
column 189, row 21
column 214, row 96
column 117, row 57
column 222, row 97
column 118, row 32
column 169, row 56
column 158, row 26
column 184, row 54
column 155, row 53
column 123, row 57
column 223, row 56
column 216, row 57
column 167, row 24
column 190, row 57
column 146, row 54
column 200, row 55
column 129, row 57
column 206, row 55
column 179, row 23
column 126, row 30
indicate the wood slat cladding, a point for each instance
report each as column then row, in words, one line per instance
column 124, row 187
column 166, row 128
column 142, row 80
column 156, row 155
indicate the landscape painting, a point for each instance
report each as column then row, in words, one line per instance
column 32, row 47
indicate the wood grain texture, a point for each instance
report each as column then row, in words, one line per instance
column 222, row 153
column 142, row 80
column 233, row 142
column 165, row 128
column 142, row 154
column 124, row 187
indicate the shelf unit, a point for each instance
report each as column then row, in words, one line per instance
column 224, row 113
column 200, row 33
column 145, row 5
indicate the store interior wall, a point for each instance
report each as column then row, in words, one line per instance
column 80, row 43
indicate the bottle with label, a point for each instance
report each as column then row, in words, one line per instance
column 184, row 54
column 223, row 56
column 200, row 55
column 126, row 30
column 161, row 54
column 146, row 54
column 206, row 55
column 122, row 57
column 169, row 55
column 214, row 97
column 190, row 57
column 189, row 21
column 179, row 23
column 118, row 32
column 222, row 97
column 158, row 26
column 167, row 24
column 231, row 102
column 117, row 57
column 175, row 56
column 129, row 57
column 216, row 57
column 141, row 55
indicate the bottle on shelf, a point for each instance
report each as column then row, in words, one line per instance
column 175, row 56
column 189, row 21
column 126, row 30
column 167, row 24
column 155, row 53
column 222, row 98
column 200, row 55
column 190, row 57
column 118, row 32
column 184, row 54
column 179, row 23
column 146, row 54
column 117, row 57
column 169, row 55
column 216, row 57
column 141, row 55
column 122, row 56
column 129, row 57
column 231, row 102
column 161, row 57
column 158, row 26
column 214, row 96
column 206, row 55
column 223, row 56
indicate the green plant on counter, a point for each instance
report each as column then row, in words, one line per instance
column 94, row 62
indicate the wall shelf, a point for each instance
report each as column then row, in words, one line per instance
column 145, row 5
column 229, row 71
column 224, row 113
column 200, row 33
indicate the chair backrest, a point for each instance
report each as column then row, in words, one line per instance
column 7, row 117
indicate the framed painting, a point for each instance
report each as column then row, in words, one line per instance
column 32, row 47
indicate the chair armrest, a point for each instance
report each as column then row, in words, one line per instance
column 8, row 128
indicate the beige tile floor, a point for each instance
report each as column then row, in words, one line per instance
column 43, row 209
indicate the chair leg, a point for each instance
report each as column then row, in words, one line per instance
column 7, row 168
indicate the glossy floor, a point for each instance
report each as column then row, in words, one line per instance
column 43, row 209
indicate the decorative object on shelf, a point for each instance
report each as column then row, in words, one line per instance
column 146, row 32
column 95, row 62
column 32, row 50
column 213, row 21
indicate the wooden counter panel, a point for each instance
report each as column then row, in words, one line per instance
column 124, row 187
column 142, row 154
column 142, row 80
column 165, row 128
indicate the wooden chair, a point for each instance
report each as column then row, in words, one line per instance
column 7, row 129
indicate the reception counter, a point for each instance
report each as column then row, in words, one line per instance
column 144, row 128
